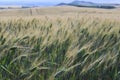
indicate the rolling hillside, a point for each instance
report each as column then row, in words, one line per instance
column 78, row 3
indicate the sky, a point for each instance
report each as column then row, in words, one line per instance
column 58, row 1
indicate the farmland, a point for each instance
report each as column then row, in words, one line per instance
column 60, row 43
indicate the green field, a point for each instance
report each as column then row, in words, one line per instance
column 60, row 43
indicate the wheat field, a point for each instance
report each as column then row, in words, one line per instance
column 60, row 43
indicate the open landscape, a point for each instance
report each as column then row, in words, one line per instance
column 60, row 43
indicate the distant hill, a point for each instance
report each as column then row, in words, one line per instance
column 10, row 7
column 62, row 4
column 89, row 4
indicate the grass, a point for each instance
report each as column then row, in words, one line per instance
column 61, row 48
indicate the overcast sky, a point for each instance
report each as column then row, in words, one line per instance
column 58, row 1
